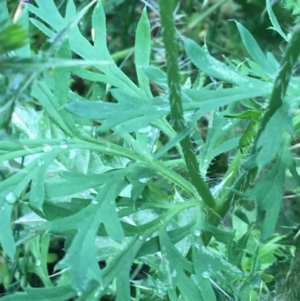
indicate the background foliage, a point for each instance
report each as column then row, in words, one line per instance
column 138, row 165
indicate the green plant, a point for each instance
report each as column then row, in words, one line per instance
column 94, row 173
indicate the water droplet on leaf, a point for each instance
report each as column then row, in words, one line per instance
column 94, row 201
column 205, row 274
column 11, row 198
column 38, row 263
column 141, row 237
column 40, row 162
column 64, row 144
column 143, row 180
column 47, row 148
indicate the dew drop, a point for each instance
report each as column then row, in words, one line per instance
column 143, row 180
column 38, row 263
column 64, row 144
column 148, row 238
column 40, row 162
column 205, row 274
column 94, row 202
column 47, row 148
column 79, row 294
column 197, row 232
column 2, row 208
column 11, row 198
column 141, row 237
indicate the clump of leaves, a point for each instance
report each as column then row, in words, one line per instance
column 93, row 171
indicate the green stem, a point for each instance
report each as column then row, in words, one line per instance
column 282, row 81
column 10, row 150
column 170, row 43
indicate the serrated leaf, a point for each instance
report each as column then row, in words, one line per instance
column 100, row 49
column 74, row 182
column 80, row 259
column 18, row 182
column 42, row 27
column 204, row 283
column 209, row 65
column 131, row 114
column 176, row 264
column 153, row 246
column 79, row 44
column 121, row 264
column 212, row 263
column 48, row 12
column 128, row 115
column 208, row 101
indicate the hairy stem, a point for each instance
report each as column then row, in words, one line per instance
column 170, row 43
